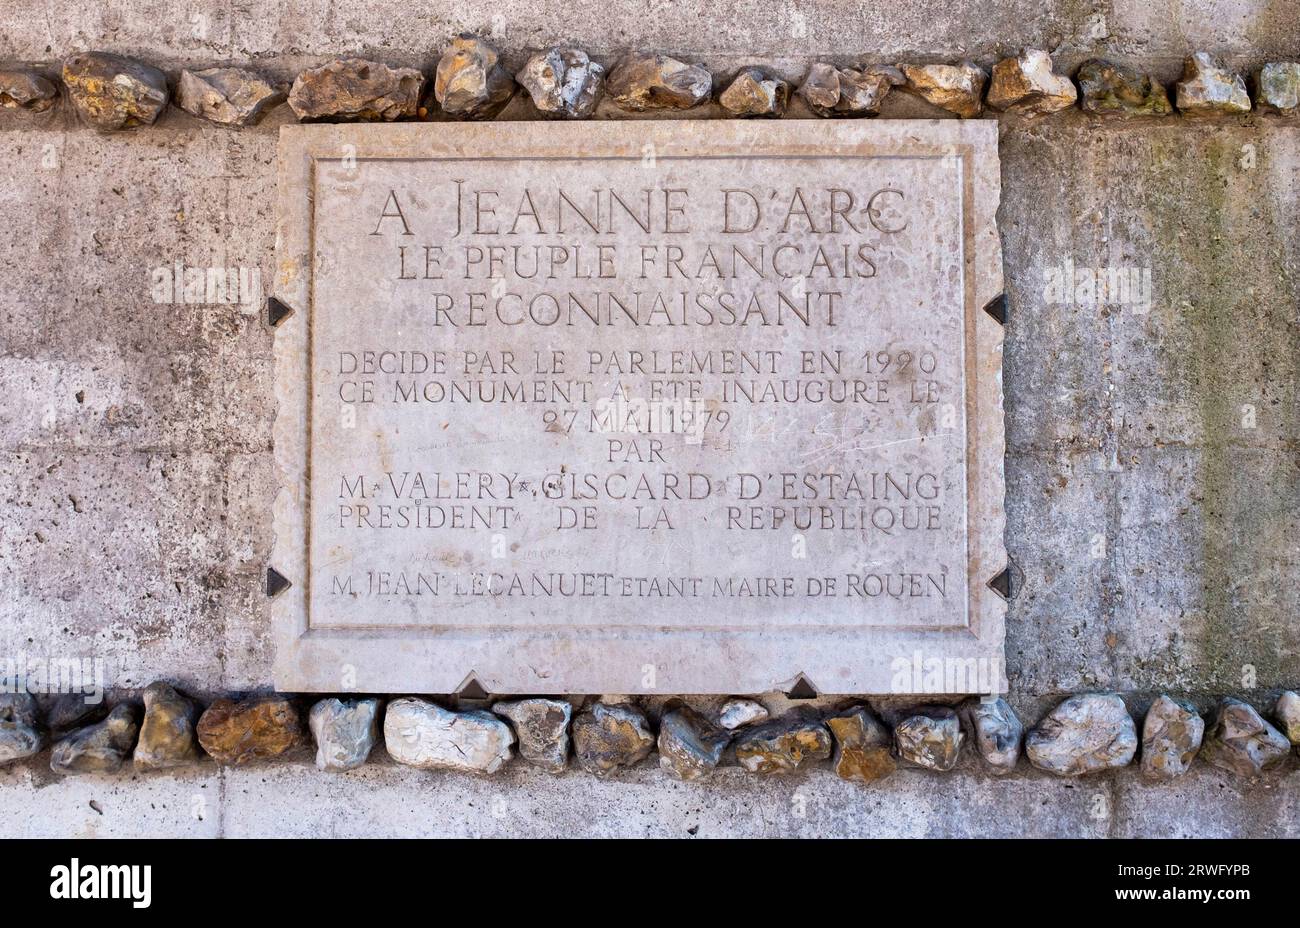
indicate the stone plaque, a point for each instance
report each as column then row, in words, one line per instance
column 639, row 407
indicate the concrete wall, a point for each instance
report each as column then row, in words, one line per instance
column 289, row 33
column 135, row 439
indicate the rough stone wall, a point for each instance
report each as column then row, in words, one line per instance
column 136, row 476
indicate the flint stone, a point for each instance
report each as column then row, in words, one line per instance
column 1171, row 736
column 738, row 712
column 1241, row 742
column 1082, row 735
column 421, row 734
column 167, row 732
column 956, row 88
column 542, row 727
column 110, row 92
column 345, row 731
column 657, row 82
column 356, row 89
column 821, row 88
column 71, row 711
column 563, row 82
column 470, row 81
column 1278, row 87
column 862, row 746
column 931, row 738
column 997, row 731
column 1114, row 90
column 100, row 748
column 1027, row 85
column 1210, row 89
column 862, row 92
column 227, row 96
column 254, row 729
column 788, row 743
column 23, row 89
column 831, row 91
column 20, row 732
column 607, row 737
column 690, row 746
column 753, row 93
column 1288, row 715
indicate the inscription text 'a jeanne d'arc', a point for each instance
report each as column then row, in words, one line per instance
column 637, row 407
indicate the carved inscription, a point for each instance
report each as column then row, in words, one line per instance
column 641, row 389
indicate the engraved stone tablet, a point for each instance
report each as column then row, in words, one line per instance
column 639, row 407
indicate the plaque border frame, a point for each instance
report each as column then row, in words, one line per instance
column 625, row 659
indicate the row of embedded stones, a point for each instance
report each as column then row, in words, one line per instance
column 111, row 92
column 1084, row 734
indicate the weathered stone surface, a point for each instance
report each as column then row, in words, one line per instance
column 20, row 730
column 792, row 742
column 228, row 96
column 253, row 729
column 690, row 746
column 931, row 738
column 1288, row 716
column 1240, row 741
column 421, row 734
column 167, row 732
column 1027, row 85
column 1171, row 736
column 1277, row 87
column 354, row 89
column 657, row 82
column 738, row 712
column 563, row 82
column 997, row 731
column 607, row 737
column 470, row 81
column 831, row 91
column 862, row 746
column 1255, row 213
column 957, row 88
column 110, row 92
column 21, row 88
column 542, row 727
column 1210, row 89
column 1084, row 734
column 345, row 730
column 99, row 748
column 753, row 93
column 1115, row 90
